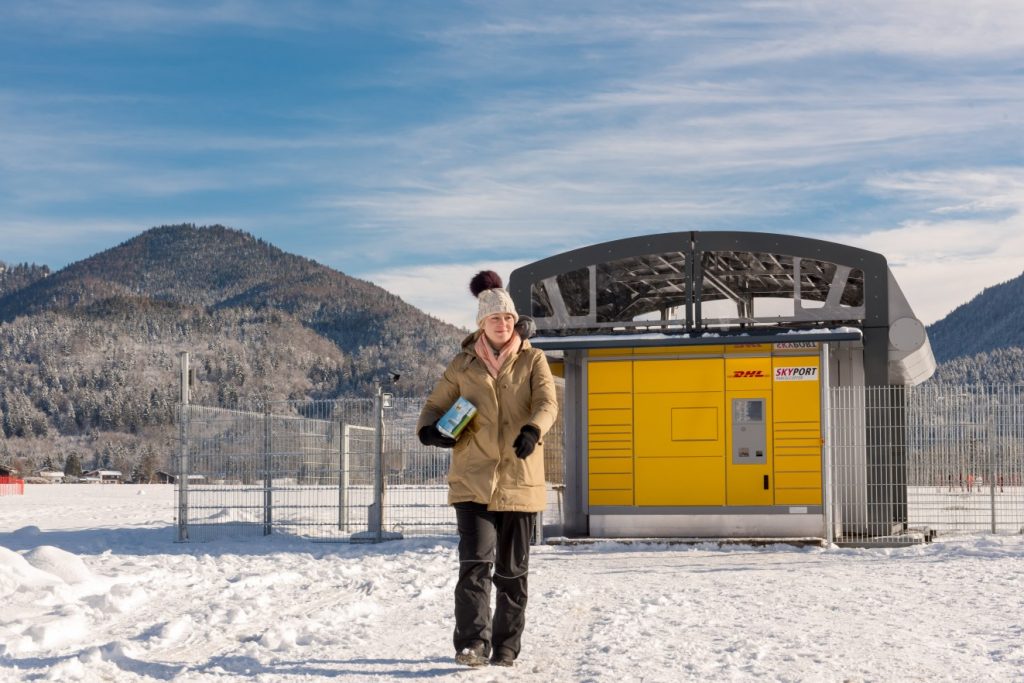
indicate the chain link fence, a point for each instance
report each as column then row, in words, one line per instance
column 339, row 470
column 936, row 459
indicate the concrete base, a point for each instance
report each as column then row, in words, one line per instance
column 375, row 537
column 797, row 542
column 708, row 526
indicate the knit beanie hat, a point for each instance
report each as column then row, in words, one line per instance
column 486, row 287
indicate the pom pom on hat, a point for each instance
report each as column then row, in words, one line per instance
column 486, row 287
column 484, row 280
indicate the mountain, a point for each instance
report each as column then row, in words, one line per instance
column 88, row 354
column 994, row 319
column 13, row 278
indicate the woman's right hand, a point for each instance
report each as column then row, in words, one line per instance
column 431, row 436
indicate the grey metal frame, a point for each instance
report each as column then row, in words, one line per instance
column 872, row 316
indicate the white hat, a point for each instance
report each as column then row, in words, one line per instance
column 493, row 301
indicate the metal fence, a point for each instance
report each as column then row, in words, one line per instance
column 927, row 459
column 340, row 470
column 935, row 459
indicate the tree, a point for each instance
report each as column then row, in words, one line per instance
column 73, row 465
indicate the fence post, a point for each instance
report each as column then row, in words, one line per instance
column 377, row 516
column 268, row 477
column 343, row 444
column 826, row 443
column 183, row 464
column 992, row 462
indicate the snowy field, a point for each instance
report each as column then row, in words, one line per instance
column 93, row 588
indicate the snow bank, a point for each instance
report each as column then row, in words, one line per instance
column 99, row 591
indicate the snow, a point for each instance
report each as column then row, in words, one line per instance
column 95, row 589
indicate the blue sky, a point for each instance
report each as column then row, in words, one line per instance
column 412, row 143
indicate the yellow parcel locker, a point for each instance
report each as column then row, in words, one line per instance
column 748, row 407
column 610, row 432
column 679, row 432
column 797, row 427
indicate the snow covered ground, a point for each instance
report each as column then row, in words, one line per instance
column 93, row 588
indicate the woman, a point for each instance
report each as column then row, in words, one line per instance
column 496, row 477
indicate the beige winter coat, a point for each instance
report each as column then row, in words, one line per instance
column 484, row 466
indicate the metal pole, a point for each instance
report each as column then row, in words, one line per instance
column 343, row 476
column 183, row 464
column 378, row 472
column 826, row 443
column 992, row 466
column 268, row 479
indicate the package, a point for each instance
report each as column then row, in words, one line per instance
column 455, row 420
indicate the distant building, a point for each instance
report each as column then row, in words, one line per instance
column 52, row 476
column 8, row 471
column 101, row 477
column 162, row 477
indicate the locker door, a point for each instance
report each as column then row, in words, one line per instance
column 748, row 406
column 679, row 432
column 610, row 432
column 797, row 428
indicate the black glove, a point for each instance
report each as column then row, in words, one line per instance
column 526, row 327
column 431, row 436
column 526, row 441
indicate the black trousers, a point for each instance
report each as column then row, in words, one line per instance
column 501, row 539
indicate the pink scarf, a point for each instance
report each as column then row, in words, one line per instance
column 487, row 354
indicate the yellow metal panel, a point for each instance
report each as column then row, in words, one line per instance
column 611, row 429
column 610, row 352
column 602, row 401
column 622, row 497
column 610, row 376
column 800, row 443
column 696, row 423
column 610, row 417
column 796, row 389
column 798, row 497
column 797, row 463
column 746, row 374
column 611, row 481
column 680, row 481
column 697, row 374
column 611, row 466
column 782, row 426
column 557, row 367
column 798, row 480
column 610, row 440
column 748, row 348
column 709, row 350
column 783, row 450
column 655, row 428
column 611, row 450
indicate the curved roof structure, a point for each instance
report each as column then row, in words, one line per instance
column 729, row 283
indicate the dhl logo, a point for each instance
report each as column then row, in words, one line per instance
column 748, row 373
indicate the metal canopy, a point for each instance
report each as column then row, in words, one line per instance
column 674, row 281
column 662, row 340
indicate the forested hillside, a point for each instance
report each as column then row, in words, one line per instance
column 88, row 355
column 19, row 276
column 994, row 319
column 1001, row 366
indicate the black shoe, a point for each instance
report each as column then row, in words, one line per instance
column 472, row 656
column 502, row 657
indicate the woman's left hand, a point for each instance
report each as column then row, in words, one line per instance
column 526, row 441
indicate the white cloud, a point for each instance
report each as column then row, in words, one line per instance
column 945, row 262
column 441, row 290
